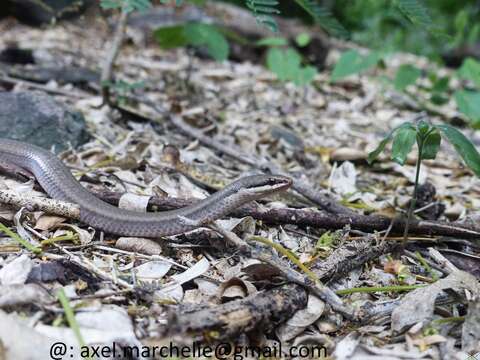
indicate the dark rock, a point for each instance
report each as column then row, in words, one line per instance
column 39, row 12
column 14, row 55
column 37, row 118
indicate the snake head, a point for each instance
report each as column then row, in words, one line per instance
column 262, row 185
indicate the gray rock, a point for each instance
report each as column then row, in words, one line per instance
column 37, row 118
column 39, row 12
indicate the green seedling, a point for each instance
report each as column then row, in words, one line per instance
column 428, row 138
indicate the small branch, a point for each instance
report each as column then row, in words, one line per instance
column 107, row 69
column 231, row 237
column 298, row 217
column 29, row 84
column 260, row 310
column 314, row 285
column 47, row 205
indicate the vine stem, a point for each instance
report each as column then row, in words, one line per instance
column 414, row 196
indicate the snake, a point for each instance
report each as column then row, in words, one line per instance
column 59, row 183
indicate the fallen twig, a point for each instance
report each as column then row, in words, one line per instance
column 310, row 282
column 32, row 203
column 106, row 76
column 260, row 310
column 304, row 217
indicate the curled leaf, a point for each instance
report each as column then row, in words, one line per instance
column 463, row 146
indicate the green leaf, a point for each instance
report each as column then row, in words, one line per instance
column 196, row 34
column 403, row 142
column 281, row 64
column 431, row 145
column 470, row 70
column 272, row 41
column 287, row 65
column 351, row 62
column 170, row 37
column 415, row 11
column 324, row 17
column 468, row 102
column 406, row 75
column 463, row 146
column 305, row 75
column 440, row 84
column 303, row 39
column 263, row 10
column 200, row 34
column 423, row 128
column 374, row 154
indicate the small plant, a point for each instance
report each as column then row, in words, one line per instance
column 263, row 10
column 286, row 62
column 351, row 62
column 428, row 138
column 123, row 88
column 195, row 34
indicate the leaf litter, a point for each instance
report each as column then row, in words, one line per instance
column 322, row 131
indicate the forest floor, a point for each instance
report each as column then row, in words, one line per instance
column 200, row 287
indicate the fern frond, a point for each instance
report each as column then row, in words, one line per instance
column 415, row 11
column 324, row 17
column 263, row 10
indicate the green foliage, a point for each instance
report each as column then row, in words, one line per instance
column 195, row 34
column 126, row 5
column 470, row 70
column 428, row 138
column 439, row 91
column 463, row 146
column 303, row 39
column 122, row 88
column 352, row 62
column 386, row 24
column 403, row 143
column 464, row 32
column 323, row 17
column 286, row 62
column 468, row 102
column 325, row 241
column 263, row 10
column 287, row 65
column 406, row 75
column 415, row 11
column 175, row 2
column 431, row 145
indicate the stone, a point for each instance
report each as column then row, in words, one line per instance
column 38, row 119
column 39, row 12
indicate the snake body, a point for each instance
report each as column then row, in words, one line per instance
column 57, row 180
